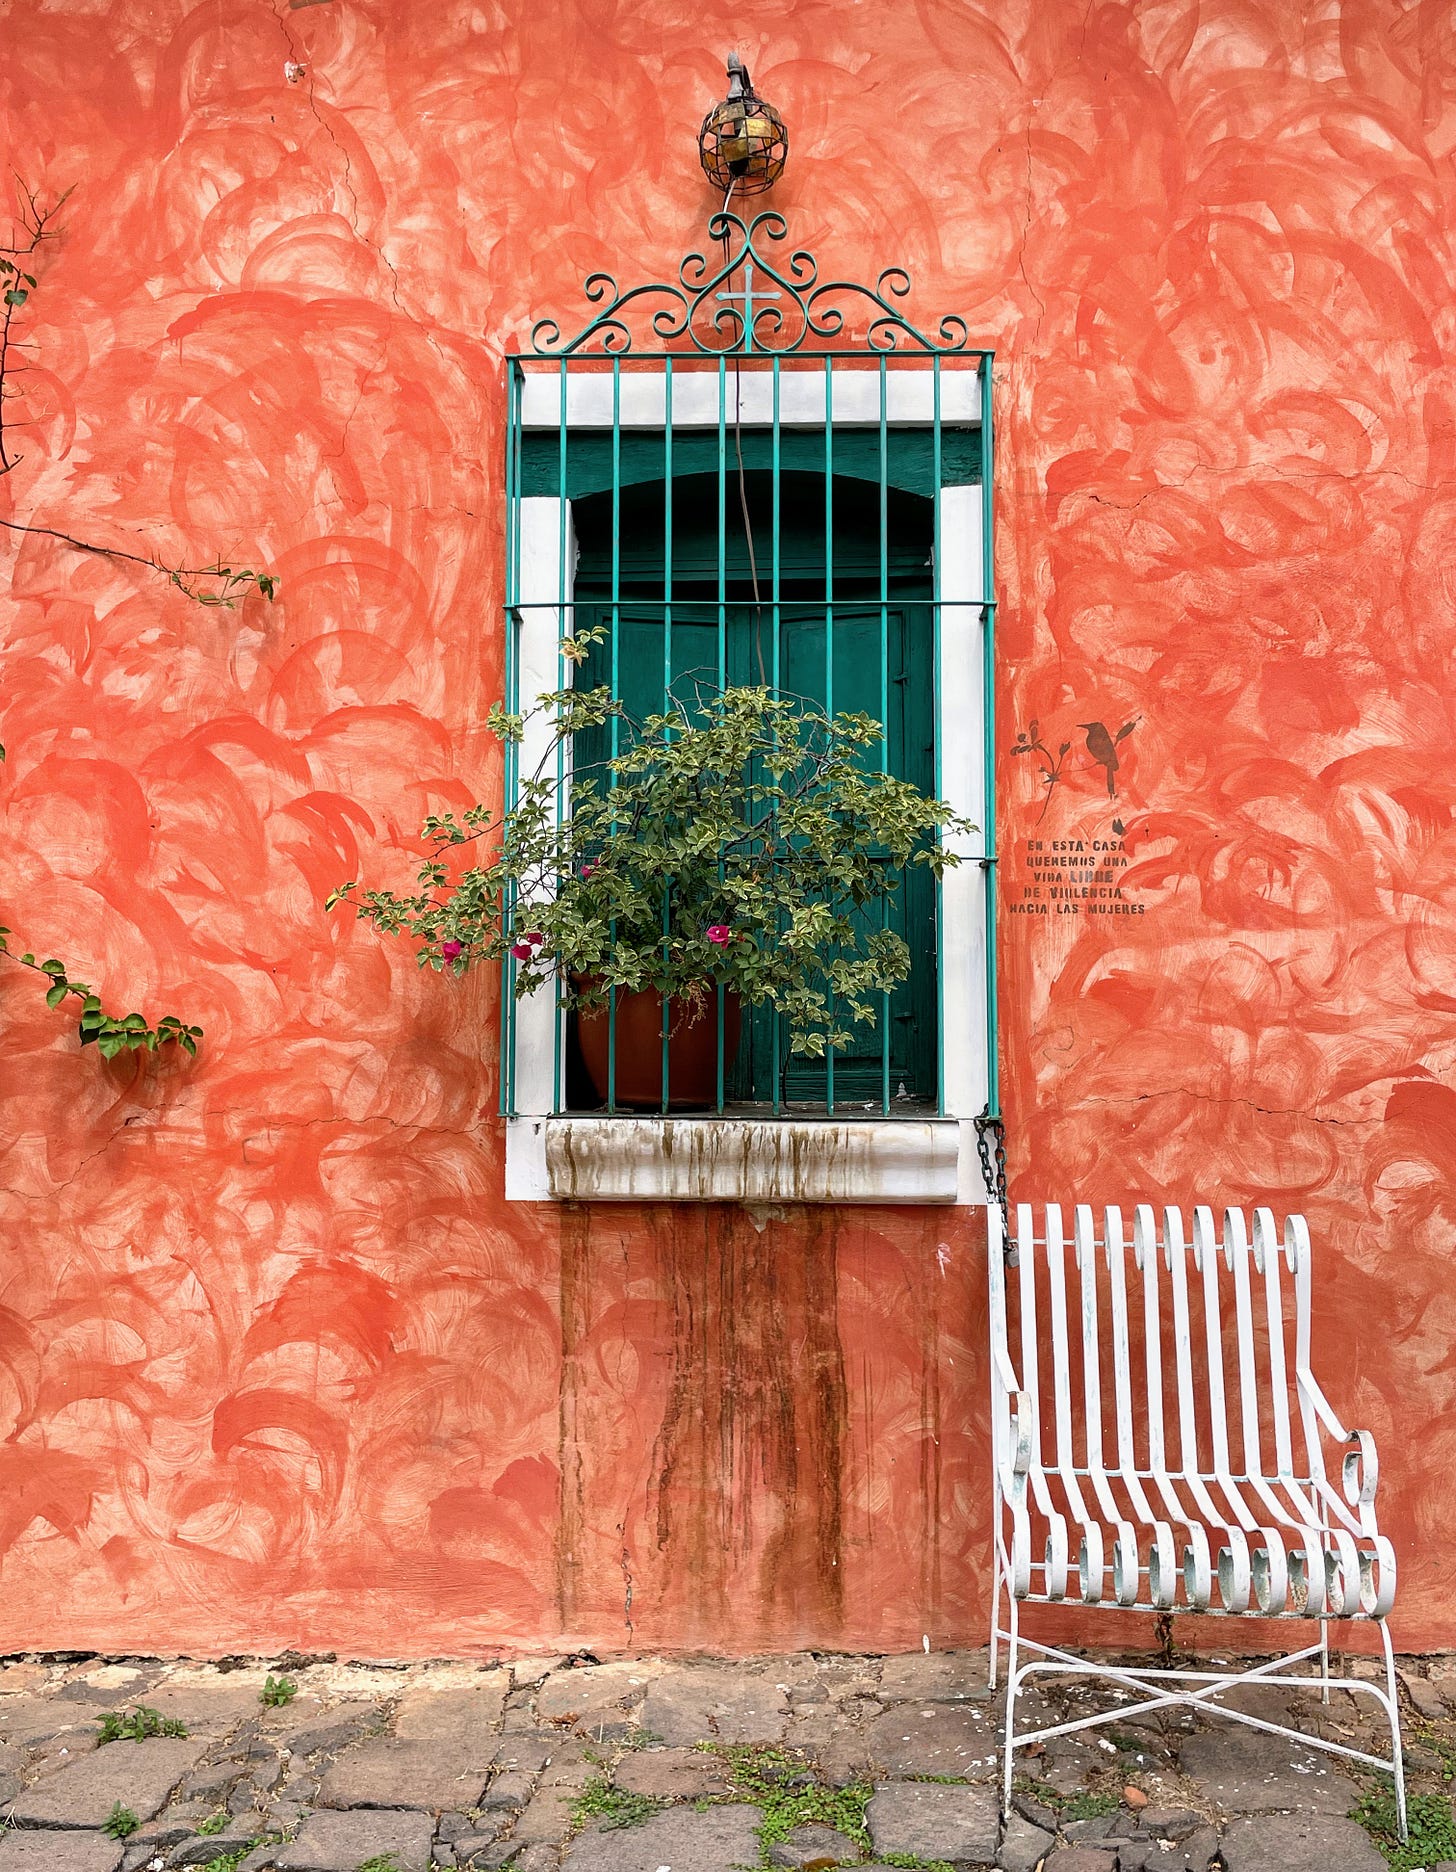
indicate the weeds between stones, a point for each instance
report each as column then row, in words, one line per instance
column 1428, row 1817
column 120, row 1823
column 614, row 1807
column 137, row 1725
column 230, row 1860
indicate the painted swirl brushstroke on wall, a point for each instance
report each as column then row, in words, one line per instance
column 277, row 1364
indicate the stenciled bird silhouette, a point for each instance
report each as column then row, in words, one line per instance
column 1102, row 746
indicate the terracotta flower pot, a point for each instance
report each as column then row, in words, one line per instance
column 692, row 1049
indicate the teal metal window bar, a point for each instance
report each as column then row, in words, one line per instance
column 854, row 440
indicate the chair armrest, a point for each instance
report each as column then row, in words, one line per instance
column 1360, row 1471
column 1019, row 1415
column 1003, row 1372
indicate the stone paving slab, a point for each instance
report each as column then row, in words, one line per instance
column 1023, row 1846
column 1299, row 1843
column 933, row 1739
column 687, row 1704
column 58, row 1852
column 595, row 1690
column 671, row 1773
column 814, row 1845
column 429, row 1776
column 1192, row 1854
column 459, row 1715
column 1248, row 1771
column 341, row 1842
column 721, row 1840
column 929, row 1821
column 140, row 1775
column 936, row 1677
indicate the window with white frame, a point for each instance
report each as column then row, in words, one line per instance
column 815, row 524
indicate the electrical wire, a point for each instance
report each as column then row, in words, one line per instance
column 746, row 335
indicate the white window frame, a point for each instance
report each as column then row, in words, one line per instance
column 616, row 1157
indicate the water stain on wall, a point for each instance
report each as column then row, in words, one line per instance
column 747, row 1479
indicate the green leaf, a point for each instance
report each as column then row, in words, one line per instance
column 17, row 296
column 53, row 967
column 55, row 994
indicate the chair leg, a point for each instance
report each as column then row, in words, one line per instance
column 1396, row 1755
column 1324, row 1660
column 995, row 1611
column 1013, row 1629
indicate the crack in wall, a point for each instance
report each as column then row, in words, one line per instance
column 348, row 177
column 1247, row 470
column 1217, row 1098
column 1026, row 234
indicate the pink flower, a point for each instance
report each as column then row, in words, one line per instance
column 587, row 869
column 535, row 937
column 451, row 949
column 522, row 951
column 719, row 933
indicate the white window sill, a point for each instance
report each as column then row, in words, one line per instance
column 782, row 1160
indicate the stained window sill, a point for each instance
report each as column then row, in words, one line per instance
column 775, row 1160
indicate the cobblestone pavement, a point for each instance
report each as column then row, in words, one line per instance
column 655, row 1765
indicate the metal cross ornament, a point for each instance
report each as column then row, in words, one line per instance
column 747, row 297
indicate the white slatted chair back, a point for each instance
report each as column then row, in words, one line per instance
column 1159, row 1434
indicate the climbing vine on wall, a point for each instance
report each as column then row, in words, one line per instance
column 215, row 586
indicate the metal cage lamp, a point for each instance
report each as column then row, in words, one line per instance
column 744, row 143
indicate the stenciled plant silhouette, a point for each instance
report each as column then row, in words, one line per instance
column 213, row 586
column 1028, row 741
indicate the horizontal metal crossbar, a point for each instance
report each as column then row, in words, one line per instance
column 1134, row 1678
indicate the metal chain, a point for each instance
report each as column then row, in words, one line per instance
column 993, row 1168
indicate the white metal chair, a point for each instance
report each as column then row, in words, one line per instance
column 1184, row 1344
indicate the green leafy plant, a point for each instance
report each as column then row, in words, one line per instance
column 750, row 841
column 381, row 1862
column 230, row 1860
column 278, row 1692
column 612, row 1807
column 111, row 1033
column 1440, row 1745
column 214, row 1823
column 786, row 1789
column 1089, row 1806
column 1432, row 1833
column 120, row 1823
column 138, row 1724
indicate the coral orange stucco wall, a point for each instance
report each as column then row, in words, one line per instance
column 277, row 1364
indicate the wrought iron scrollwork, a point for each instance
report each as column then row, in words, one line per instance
column 778, row 306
